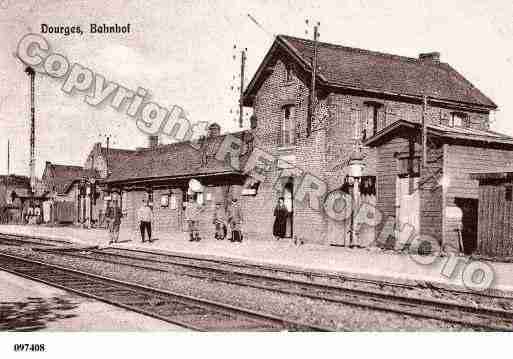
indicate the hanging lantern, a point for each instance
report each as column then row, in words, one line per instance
column 356, row 164
column 195, row 185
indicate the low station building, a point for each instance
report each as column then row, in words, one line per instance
column 439, row 201
column 161, row 175
column 62, row 185
column 69, row 187
column 13, row 190
column 16, row 197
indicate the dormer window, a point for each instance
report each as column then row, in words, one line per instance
column 458, row 119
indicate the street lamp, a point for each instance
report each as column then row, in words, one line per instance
column 81, row 203
column 356, row 166
column 91, row 191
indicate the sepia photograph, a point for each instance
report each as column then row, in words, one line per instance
column 239, row 175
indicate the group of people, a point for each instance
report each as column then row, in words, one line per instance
column 114, row 214
column 227, row 221
column 33, row 215
column 231, row 219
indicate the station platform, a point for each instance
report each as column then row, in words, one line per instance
column 372, row 263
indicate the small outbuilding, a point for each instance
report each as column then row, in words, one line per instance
column 441, row 201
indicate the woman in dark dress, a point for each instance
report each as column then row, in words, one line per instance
column 280, row 222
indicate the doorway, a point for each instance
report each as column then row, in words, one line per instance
column 469, row 209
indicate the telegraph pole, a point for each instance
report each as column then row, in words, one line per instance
column 32, row 164
column 424, row 132
column 107, row 155
column 8, row 157
column 32, row 74
column 241, row 105
column 107, row 138
column 313, row 96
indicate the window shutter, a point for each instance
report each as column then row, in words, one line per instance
column 466, row 121
column 382, row 121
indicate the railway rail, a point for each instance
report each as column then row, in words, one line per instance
column 472, row 316
column 186, row 311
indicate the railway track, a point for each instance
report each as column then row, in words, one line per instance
column 186, row 311
column 465, row 315
column 472, row 316
column 15, row 240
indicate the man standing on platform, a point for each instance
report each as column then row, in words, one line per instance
column 192, row 215
column 145, row 216
column 113, row 216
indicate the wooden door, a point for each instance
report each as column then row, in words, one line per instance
column 469, row 209
column 338, row 207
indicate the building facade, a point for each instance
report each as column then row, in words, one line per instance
column 365, row 102
column 359, row 94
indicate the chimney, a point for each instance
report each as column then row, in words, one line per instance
column 430, row 57
column 153, row 141
column 214, row 130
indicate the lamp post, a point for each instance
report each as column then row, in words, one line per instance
column 91, row 191
column 356, row 167
column 82, row 202
column 87, row 200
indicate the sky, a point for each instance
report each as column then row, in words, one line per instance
column 183, row 53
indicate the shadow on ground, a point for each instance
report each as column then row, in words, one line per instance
column 34, row 313
column 124, row 241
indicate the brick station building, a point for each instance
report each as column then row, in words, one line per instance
column 363, row 100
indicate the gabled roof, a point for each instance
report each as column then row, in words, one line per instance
column 376, row 72
column 440, row 131
column 64, row 176
column 177, row 160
